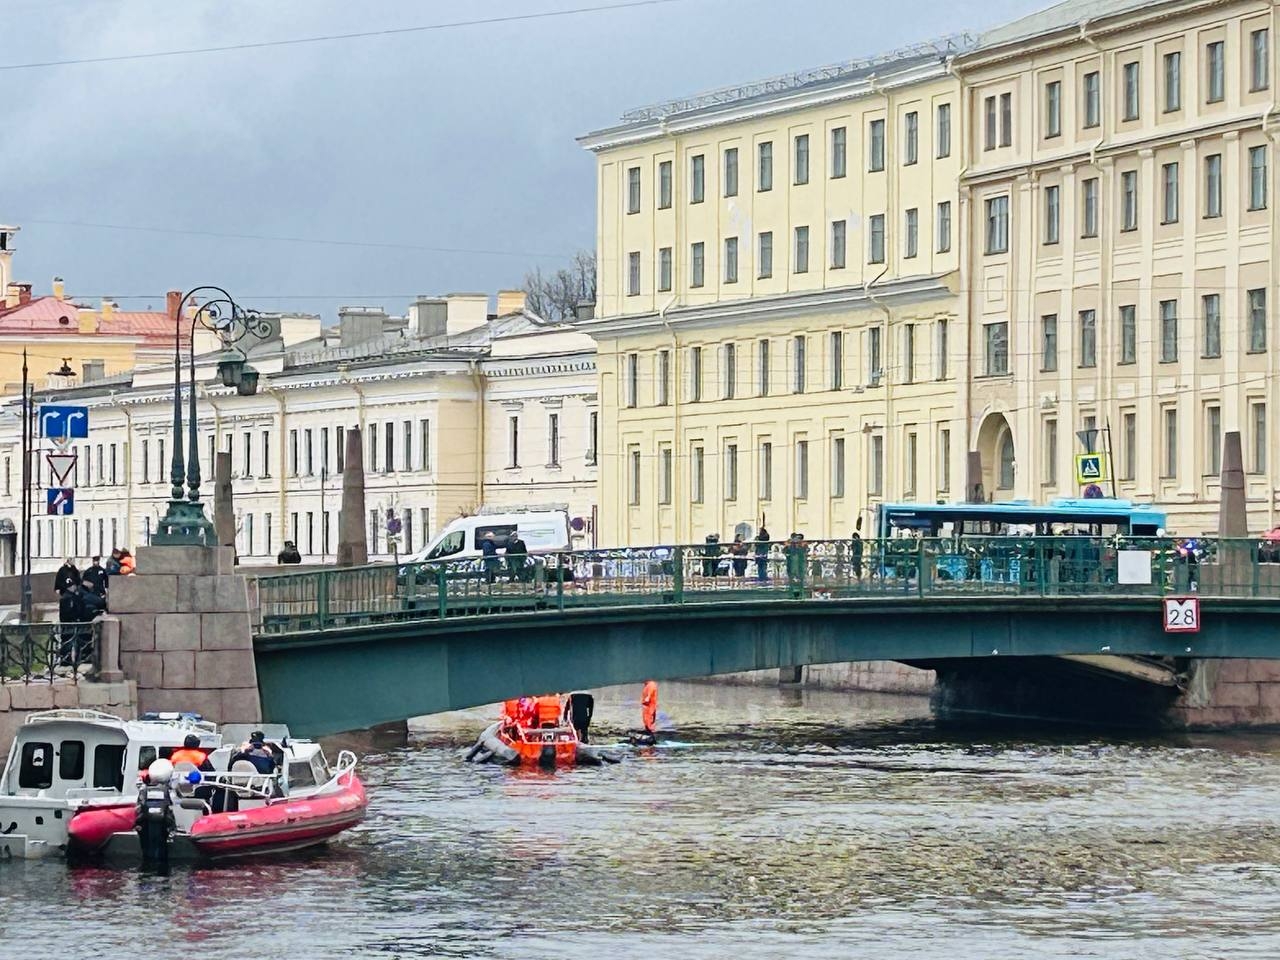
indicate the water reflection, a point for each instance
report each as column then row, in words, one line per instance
column 781, row 823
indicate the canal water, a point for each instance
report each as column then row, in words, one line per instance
column 783, row 824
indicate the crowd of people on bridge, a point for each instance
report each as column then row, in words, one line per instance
column 82, row 598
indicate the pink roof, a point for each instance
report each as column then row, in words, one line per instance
column 50, row 315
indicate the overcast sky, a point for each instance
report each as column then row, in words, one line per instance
column 456, row 139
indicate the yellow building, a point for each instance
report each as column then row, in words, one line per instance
column 778, row 316
column 1118, row 192
column 53, row 330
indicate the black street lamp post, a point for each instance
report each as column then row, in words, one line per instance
column 184, row 522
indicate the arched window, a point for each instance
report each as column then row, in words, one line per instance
column 1006, row 461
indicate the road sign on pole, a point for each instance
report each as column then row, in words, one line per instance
column 60, row 501
column 60, row 422
column 61, row 466
column 1181, row 614
column 1090, row 468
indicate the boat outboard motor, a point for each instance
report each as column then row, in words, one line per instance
column 547, row 758
column 155, row 823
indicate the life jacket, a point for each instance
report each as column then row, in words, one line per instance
column 127, row 565
column 548, row 711
column 192, row 755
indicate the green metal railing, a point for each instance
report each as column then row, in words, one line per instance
column 826, row 569
column 47, row 651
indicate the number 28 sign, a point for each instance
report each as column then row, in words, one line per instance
column 1181, row 614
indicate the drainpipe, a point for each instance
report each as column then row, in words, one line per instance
column 128, row 465
column 676, row 474
column 1271, row 295
column 886, row 379
column 477, row 384
column 1102, row 87
column 282, row 465
column 961, row 244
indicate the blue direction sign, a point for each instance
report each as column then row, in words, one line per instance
column 60, row 501
column 58, row 422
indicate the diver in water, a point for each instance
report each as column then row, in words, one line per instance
column 578, row 710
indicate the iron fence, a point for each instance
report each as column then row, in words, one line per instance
column 48, row 651
column 783, row 570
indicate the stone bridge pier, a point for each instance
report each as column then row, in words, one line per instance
column 186, row 634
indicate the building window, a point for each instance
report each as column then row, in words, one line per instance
column 1213, row 440
column 837, row 467
column 664, row 201
column 764, row 173
column 1051, row 452
column 664, row 475
column 1168, row 331
column 695, row 374
column 593, row 447
column 1053, row 109
column 373, row 451
column 633, row 190
column 802, row 469
column 997, row 225
column 997, row 348
column 731, row 472
column 633, row 380
column 838, row 231
column 766, row 254
column 799, row 361
column 802, row 159
column 730, row 361
column 1169, row 178
column 837, row 360
column 1006, row 119
column 990, row 131
column 664, row 377
column 1132, row 91
column 266, row 452
column 1213, row 186
column 875, row 369
column 553, row 439
column 633, row 274
column 664, row 269
column 1129, row 200
column 1259, row 60
column 513, row 441
column 1172, row 82
column 1216, row 68
column 293, row 453
column 762, row 368
column 731, row 260
column 1212, row 307
column 1257, row 178
column 1052, row 214
column 1129, row 426
column 697, row 475
column 875, row 477
column 802, row 250
column 1089, row 190
column 1092, row 100
column 731, row 172
column 766, row 470
column 633, row 476
column 1088, row 338
column 1007, row 465
column 910, row 466
column 911, row 148
column 1128, row 334
column 1170, row 470
column 1257, row 320
column 908, row 353
column 944, row 226
column 913, row 233
column 697, row 264
column 944, row 130
column 877, row 238
column 944, row 460
column 875, row 145
column 941, row 328
column 1258, row 426
column 839, row 152
column 146, row 464
column 1049, row 343
column 697, row 179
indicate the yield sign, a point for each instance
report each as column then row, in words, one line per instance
column 61, row 465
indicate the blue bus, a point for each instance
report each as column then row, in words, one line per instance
column 1096, row 517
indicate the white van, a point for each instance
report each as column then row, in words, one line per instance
column 543, row 531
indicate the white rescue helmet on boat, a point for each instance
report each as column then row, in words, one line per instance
column 160, row 771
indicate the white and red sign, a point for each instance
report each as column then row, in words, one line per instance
column 61, row 466
column 1181, row 614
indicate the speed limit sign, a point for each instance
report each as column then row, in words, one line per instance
column 1181, row 614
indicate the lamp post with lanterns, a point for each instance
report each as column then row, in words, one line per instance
column 184, row 522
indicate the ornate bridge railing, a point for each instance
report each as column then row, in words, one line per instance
column 827, row 569
column 48, row 651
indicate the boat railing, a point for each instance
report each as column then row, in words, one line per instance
column 88, row 716
column 256, row 785
column 92, row 793
column 345, row 765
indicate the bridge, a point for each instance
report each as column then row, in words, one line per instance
column 1007, row 622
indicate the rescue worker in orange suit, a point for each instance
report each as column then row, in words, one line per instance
column 549, row 710
column 649, row 707
column 190, row 752
column 511, row 712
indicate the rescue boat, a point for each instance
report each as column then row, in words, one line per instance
column 235, row 810
column 512, row 744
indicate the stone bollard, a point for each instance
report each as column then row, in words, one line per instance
column 108, row 654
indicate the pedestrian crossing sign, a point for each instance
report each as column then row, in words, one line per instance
column 1090, row 468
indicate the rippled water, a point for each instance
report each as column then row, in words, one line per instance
column 788, row 825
